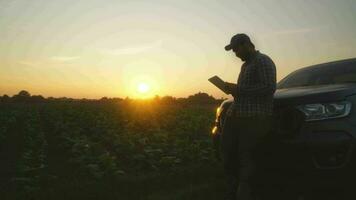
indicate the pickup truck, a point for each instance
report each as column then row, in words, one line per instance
column 312, row 143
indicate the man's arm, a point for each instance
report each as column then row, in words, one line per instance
column 230, row 87
column 267, row 74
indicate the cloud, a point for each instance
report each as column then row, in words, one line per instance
column 48, row 61
column 134, row 49
column 64, row 58
column 297, row 30
column 28, row 63
column 294, row 31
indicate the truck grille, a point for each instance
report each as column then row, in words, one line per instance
column 287, row 122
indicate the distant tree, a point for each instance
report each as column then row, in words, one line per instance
column 5, row 98
column 181, row 99
column 65, row 99
column 22, row 96
column 104, row 99
column 156, row 98
column 116, row 99
column 37, row 98
column 127, row 99
column 168, row 99
column 83, row 100
column 201, row 97
column 50, row 99
column 24, row 93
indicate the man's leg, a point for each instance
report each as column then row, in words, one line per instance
column 252, row 132
column 229, row 147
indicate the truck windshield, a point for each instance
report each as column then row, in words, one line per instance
column 333, row 73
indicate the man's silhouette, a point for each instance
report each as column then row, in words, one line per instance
column 248, row 118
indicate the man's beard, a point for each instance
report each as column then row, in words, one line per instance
column 241, row 58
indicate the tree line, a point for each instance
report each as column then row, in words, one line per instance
column 25, row 97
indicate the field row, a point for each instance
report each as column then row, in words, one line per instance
column 68, row 148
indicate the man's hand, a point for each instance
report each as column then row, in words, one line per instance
column 231, row 88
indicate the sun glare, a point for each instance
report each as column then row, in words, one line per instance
column 143, row 88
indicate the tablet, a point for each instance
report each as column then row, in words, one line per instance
column 219, row 83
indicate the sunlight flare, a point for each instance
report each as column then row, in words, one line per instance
column 143, row 88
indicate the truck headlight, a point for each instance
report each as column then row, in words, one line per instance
column 320, row 111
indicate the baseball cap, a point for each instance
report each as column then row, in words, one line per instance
column 237, row 39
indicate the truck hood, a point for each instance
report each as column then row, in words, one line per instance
column 314, row 94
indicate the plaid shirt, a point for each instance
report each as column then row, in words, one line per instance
column 256, row 85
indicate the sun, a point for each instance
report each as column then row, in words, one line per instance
column 143, row 88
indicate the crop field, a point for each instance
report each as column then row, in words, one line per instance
column 94, row 150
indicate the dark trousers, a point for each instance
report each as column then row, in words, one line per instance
column 240, row 138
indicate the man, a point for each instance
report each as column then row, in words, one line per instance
column 249, row 117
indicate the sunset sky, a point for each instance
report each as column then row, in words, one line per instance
column 96, row 48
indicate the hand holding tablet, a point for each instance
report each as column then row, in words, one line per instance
column 222, row 85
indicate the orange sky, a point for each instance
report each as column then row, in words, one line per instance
column 98, row 48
